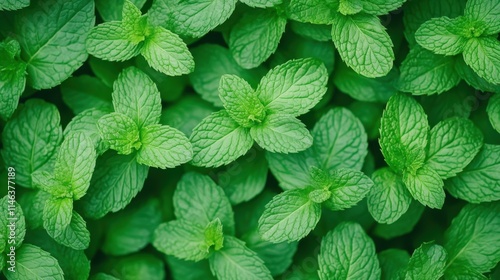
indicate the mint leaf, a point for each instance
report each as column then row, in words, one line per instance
column 236, row 261
column 53, row 39
column 348, row 253
column 483, row 56
column 450, row 155
column 339, row 140
column 348, row 7
column 167, row 53
column 30, row 139
column 479, row 181
column 426, row 186
column 109, row 41
column 486, row 12
column 75, row 235
column 262, row 3
column 289, row 216
column 473, row 79
column 86, row 123
column 219, row 140
column 163, row 147
column 12, row 77
column 423, row 72
column 136, row 96
column 403, row 133
column 292, row 170
column 493, row 111
column 57, row 215
column 439, row 36
column 6, row 220
column 199, row 200
column 111, row 10
column 371, row 54
column 315, row 11
column 116, row 180
column 10, row 5
column 255, row 37
column 463, row 273
column 473, row 237
column 381, row 7
column 404, row 225
column 119, row 132
column 427, row 262
column 388, row 199
column 182, row 239
column 317, row 32
column 347, row 187
column 240, row 101
column 34, row 263
column 294, row 87
column 393, row 263
column 85, row 92
column 189, row 270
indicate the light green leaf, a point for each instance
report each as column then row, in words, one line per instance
column 119, row 132
column 12, row 77
column 289, row 216
column 167, row 53
column 47, row 182
column 348, row 187
column 493, row 110
column 219, row 140
column 485, row 11
column 427, row 262
column 453, row 144
column 426, row 186
column 57, row 215
column 294, row 87
column 136, row 96
column 86, row 123
column 350, row 7
column 34, row 263
column 403, row 133
column 388, row 199
column 240, row 101
column 339, row 140
column 473, row 79
column 439, row 36
column 53, row 39
column 111, row 10
column 363, row 44
column 262, row 3
column 10, row 5
column 30, row 139
column 199, row 200
column 473, row 237
column 236, row 261
column 282, row 133
column 116, row 180
column 381, row 7
column 315, row 11
column 110, row 41
column 182, row 239
column 348, row 253
column 32, row 203
column 483, row 56
column 480, row 180
column 75, row 235
column 163, row 147
column 292, row 170
column 423, row 72
column 255, row 37
column 11, row 213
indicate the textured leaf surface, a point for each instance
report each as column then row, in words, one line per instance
column 315, row 11
column 182, row 239
column 487, row 12
column 348, row 187
column 57, row 215
column 119, row 132
column 427, row 262
column 426, row 186
column 483, row 56
column 381, row 7
column 109, row 41
column 34, row 263
column 493, row 111
column 75, row 235
column 439, row 36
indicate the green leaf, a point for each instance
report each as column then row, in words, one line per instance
column 85, row 92
column 255, row 37
column 381, row 7
column 188, row 270
column 133, row 229
column 403, row 133
column 294, row 87
column 348, row 187
column 47, row 182
column 199, row 200
column 292, row 170
column 426, row 186
column 219, row 140
column 473, row 237
column 423, row 72
column 282, row 133
column 32, row 203
column 350, row 7
column 393, row 263
column 315, row 11
column 116, row 180
column 317, row 32
column 163, row 147
column 213, row 61
column 388, row 199
column 167, row 53
column 34, row 263
column 10, row 5
column 463, row 273
column 236, row 261
column 53, row 39
column 111, row 10
column 403, row 225
column 30, row 139
column 86, row 123
column 12, row 77
column 136, row 28
column 483, row 56
column 119, row 132
column 75, row 235
column 289, row 216
column 493, row 111
column 262, row 3
column 339, row 140
column 348, row 253
column 427, row 262
column 449, row 104
column 182, row 239
column 453, row 144
column 136, row 96
column 480, row 180
column 487, row 12
column 240, row 101
column 136, row 266
column 439, row 36
column 473, row 79
column 57, row 215
column 110, row 41
column 186, row 113
column 11, row 213
column 371, row 54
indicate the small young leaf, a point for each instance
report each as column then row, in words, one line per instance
column 348, row 187
column 483, row 56
column 109, row 41
column 119, row 132
column 485, row 11
column 438, row 35
column 426, row 186
column 427, row 262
